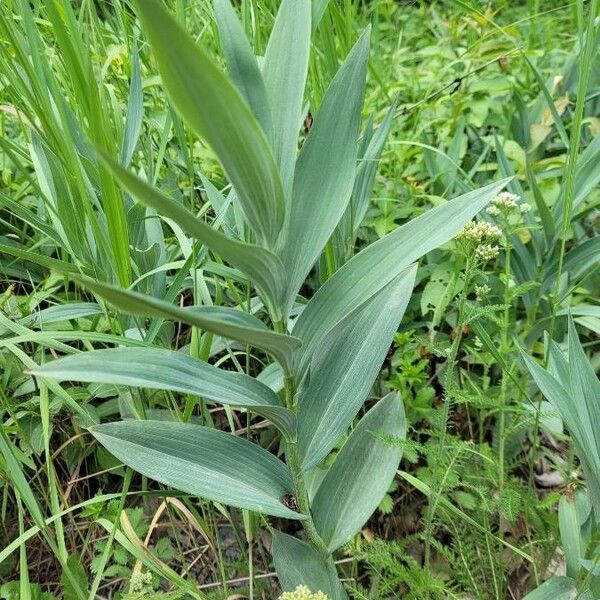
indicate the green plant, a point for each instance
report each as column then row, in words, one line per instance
column 283, row 209
column 571, row 386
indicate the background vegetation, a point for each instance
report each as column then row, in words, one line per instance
column 490, row 500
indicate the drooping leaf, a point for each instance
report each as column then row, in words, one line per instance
column 378, row 264
column 242, row 64
column 202, row 461
column 325, row 170
column 344, row 368
column 161, row 369
column 228, row 322
column 262, row 266
column 215, row 110
column 285, row 68
column 297, row 564
column 361, row 474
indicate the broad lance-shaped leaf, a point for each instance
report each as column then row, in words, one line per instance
column 584, row 384
column 575, row 396
column 212, row 106
column 285, row 68
column 361, row 474
column 560, row 398
column 161, row 369
column 344, row 368
column 378, row 264
column 325, row 169
column 227, row 322
column 573, row 512
column 202, row 461
column 242, row 64
column 297, row 563
column 259, row 264
column 556, row 588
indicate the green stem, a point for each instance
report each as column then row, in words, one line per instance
column 301, row 493
column 504, row 348
column 446, row 405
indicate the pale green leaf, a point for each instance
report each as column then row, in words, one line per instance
column 201, row 461
column 557, row 588
column 297, row 563
column 325, row 170
column 227, row 322
column 378, row 264
column 161, row 369
column 259, row 264
column 242, row 64
column 345, row 367
column 361, row 474
column 573, row 512
column 285, row 68
column 212, row 106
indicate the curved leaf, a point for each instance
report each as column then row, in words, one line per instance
column 202, row 461
column 557, row 588
column 259, row 264
column 161, row 369
column 326, row 167
column 242, row 64
column 215, row 110
column 228, row 322
column 297, row 563
column 285, row 68
column 358, row 280
column 361, row 474
column 343, row 371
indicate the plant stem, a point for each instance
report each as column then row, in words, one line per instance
column 301, row 493
column 446, row 405
column 504, row 347
column 312, row 535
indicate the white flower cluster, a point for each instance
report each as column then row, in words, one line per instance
column 140, row 583
column 506, row 203
column 486, row 252
column 302, row 593
column 478, row 232
column 481, row 291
